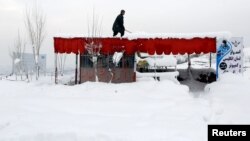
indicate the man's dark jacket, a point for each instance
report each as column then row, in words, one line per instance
column 118, row 24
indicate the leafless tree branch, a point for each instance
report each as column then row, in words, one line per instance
column 35, row 24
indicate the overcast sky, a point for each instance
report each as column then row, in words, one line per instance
column 152, row 16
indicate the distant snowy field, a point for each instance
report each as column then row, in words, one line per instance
column 147, row 110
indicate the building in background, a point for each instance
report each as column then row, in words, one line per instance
column 27, row 64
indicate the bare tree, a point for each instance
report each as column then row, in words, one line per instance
column 35, row 25
column 94, row 45
column 16, row 54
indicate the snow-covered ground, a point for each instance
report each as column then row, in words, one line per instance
column 147, row 110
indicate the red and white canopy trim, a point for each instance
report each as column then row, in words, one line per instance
column 142, row 42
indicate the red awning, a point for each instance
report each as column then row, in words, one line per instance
column 111, row 45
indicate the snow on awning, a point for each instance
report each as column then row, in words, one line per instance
column 224, row 35
column 152, row 44
column 144, row 35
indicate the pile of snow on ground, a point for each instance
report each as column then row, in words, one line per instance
column 147, row 110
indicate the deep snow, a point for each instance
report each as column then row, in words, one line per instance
column 147, row 110
column 136, row 35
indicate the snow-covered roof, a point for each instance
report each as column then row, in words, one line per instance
column 162, row 60
column 159, row 60
column 159, row 43
column 225, row 35
column 137, row 35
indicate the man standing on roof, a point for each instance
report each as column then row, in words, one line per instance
column 118, row 26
